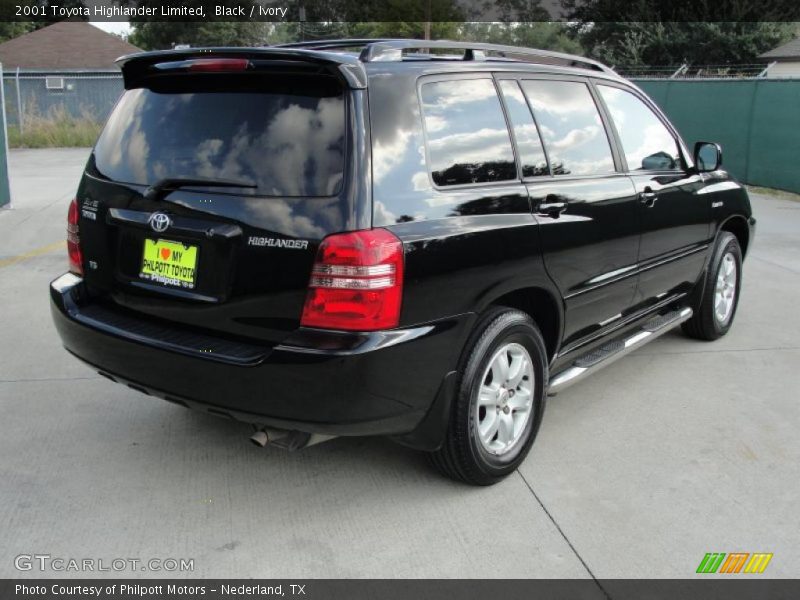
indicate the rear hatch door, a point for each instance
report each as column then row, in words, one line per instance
column 211, row 187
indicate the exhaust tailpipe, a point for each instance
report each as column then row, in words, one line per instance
column 288, row 440
column 265, row 436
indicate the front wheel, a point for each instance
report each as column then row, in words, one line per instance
column 500, row 400
column 714, row 314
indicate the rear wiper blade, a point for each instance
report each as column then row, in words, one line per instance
column 170, row 184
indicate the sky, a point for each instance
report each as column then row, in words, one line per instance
column 113, row 26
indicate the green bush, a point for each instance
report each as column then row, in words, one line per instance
column 56, row 129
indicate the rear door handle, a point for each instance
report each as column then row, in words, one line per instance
column 648, row 197
column 552, row 209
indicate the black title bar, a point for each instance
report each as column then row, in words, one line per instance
column 360, row 11
column 713, row 587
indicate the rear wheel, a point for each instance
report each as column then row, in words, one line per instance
column 714, row 315
column 500, row 400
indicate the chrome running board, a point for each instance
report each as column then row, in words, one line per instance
column 615, row 349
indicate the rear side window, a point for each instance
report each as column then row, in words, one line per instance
column 647, row 143
column 571, row 126
column 529, row 145
column 467, row 137
column 287, row 143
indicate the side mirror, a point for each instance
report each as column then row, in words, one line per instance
column 707, row 156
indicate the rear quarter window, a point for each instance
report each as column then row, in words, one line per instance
column 287, row 144
column 467, row 136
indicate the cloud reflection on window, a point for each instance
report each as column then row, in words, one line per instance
column 468, row 141
column 646, row 141
column 529, row 145
column 287, row 145
column 571, row 127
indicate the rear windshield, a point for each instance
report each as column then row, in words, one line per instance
column 286, row 142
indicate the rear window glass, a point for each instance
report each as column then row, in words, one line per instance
column 286, row 144
column 468, row 141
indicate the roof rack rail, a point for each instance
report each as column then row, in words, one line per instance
column 391, row 50
column 335, row 43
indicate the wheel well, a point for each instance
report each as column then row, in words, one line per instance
column 542, row 308
column 738, row 227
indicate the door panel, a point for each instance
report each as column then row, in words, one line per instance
column 674, row 220
column 590, row 249
column 588, row 213
column 675, row 234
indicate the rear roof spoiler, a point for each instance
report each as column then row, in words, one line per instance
column 350, row 68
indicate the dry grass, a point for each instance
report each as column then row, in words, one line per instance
column 782, row 194
column 56, row 129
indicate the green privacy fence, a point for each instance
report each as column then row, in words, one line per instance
column 757, row 122
column 5, row 192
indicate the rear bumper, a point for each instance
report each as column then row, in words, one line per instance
column 380, row 383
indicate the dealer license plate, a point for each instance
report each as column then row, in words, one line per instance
column 169, row 263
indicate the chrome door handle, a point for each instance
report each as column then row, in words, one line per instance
column 648, row 197
column 552, row 209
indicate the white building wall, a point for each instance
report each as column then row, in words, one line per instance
column 784, row 69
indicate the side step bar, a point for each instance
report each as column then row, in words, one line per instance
column 608, row 353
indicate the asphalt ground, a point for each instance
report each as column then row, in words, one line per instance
column 680, row 449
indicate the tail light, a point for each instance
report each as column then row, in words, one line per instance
column 356, row 283
column 74, row 239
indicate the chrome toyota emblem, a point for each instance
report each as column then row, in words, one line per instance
column 159, row 221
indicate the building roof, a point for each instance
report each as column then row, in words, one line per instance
column 72, row 45
column 790, row 50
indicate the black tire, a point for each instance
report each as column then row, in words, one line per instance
column 704, row 324
column 462, row 456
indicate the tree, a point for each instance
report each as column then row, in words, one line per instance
column 294, row 32
column 656, row 34
column 730, row 11
column 163, row 35
column 671, row 43
column 62, row 4
column 545, row 36
column 384, row 11
column 11, row 28
column 153, row 34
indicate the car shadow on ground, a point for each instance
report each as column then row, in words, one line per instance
column 221, row 441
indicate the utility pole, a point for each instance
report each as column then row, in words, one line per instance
column 427, row 25
column 302, row 12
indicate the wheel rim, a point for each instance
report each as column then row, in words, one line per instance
column 505, row 399
column 725, row 291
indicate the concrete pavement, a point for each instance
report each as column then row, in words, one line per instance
column 679, row 449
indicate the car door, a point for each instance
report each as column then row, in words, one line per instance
column 674, row 218
column 586, row 208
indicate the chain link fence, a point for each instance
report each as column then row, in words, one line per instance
column 58, row 100
column 687, row 71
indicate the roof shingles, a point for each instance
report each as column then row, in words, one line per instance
column 67, row 45
column 790, row 50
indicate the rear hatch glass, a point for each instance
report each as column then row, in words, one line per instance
column 286, row 142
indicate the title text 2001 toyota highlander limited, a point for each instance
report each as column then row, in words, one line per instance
column 398, row 242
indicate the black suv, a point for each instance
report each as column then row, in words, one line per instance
column 421, row 240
